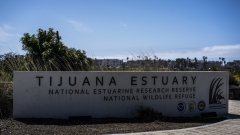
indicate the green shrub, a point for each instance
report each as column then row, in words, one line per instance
column 233, row 80
column 6, row 100
column 147, row 113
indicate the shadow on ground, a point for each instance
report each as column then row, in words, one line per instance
column 233, row 116
column 34, row 121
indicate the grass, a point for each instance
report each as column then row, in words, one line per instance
column 147, row 113
column 6, row 99
column 12, row 62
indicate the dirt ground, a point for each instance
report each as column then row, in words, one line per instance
column 96, row 126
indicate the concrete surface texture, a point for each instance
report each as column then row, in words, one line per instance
column 49, row 94
column 231, row 126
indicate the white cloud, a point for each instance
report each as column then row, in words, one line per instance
column 7, row 27
column 212, row 52
column 226, row 49
column 109, row 57
column 229, row 52
column 18, row 35
column 79, row 26
column 4, row 34
column 123, row 24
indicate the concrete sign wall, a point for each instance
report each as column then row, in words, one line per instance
column 118, row 94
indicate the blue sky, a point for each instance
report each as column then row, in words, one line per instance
column 119, row 29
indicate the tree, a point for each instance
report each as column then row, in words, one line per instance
column 195, row 62
column 44, row 45
column 204, row 62
column 47, row 48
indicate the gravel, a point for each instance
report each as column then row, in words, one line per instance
column 97, row 126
